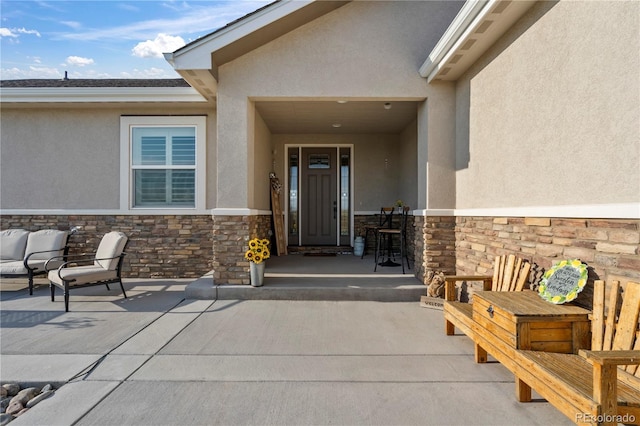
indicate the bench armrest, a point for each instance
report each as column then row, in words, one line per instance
column 450, row 283
column 611, row 357
column 606, row 373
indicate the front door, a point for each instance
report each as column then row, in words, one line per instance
column 319, row 208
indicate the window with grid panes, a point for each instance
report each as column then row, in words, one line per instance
column 163, row 162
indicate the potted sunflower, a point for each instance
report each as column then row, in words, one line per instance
column 256, row 255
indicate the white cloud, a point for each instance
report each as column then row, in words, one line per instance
column 176, row 5
column 149, row 73
column 15, row 32
column 78, row 61
column 33, row 72
column 128, row 7
column 72, row 24
column 190, row 20
column 25, row 31
column 11, row 73
column 155, row 48
column 44, row 72
column 6, row 32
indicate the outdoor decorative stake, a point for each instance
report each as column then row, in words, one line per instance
column 278, row 221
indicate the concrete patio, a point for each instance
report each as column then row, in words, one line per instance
column 160, row 358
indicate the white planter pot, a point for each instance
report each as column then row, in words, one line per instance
column 257, row 273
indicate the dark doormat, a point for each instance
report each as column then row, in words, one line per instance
column 321, row 254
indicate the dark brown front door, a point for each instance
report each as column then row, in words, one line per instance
column 319, row 207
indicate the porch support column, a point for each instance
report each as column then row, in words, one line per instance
column 436, row 148
column 233, row 221
column 232, row 152
column 435, row 231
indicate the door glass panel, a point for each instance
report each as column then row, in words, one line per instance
column 344, row 192
column 293, row 195
column 319, row 161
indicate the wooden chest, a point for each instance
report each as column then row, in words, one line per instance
column 523, row 320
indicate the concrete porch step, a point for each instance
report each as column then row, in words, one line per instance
column 299, row 277
column 313, row 287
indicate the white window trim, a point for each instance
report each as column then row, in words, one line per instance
column 126, row 172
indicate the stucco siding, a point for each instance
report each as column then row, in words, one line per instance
column 409, row 165
column 263, row 165
column 371, row 48
column 68, row 158
column 378, row 165
column 363, row 50
column 60, row 159
column 437, row 139
column 553, row 113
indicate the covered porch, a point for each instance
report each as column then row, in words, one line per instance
column 332, row 277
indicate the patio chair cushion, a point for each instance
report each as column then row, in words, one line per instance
column 12, row 267
column 111, row 245
column 13, row 243
column 45, row 240
column 81, row 275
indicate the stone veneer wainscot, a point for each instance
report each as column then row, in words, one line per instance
column 171, row 246
column 175, row 246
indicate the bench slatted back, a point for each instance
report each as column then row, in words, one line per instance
column 510, row 273
column 616, row 331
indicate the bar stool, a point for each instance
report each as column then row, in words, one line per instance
column 384, row 220
column 389, row 233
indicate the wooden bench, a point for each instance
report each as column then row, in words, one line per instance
column 597, row 386
column 510, row 274
column 601, row 385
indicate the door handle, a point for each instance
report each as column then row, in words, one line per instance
column 335, row 210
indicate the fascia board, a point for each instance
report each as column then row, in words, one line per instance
column 100, row 94
column 471, row 12
column 482, row 23
column 197, row 55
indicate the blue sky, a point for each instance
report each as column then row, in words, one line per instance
column 107, row 38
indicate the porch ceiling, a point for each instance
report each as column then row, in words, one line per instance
column 307, row 117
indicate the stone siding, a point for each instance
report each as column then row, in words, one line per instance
column 611, row 247
column 435, row 244
column 175, row 246
column 231, row 235
column 171, row 246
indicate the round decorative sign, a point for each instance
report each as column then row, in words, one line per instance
column 563, row 281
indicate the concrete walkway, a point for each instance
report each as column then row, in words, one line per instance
column 157, row 358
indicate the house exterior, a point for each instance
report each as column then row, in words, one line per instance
column 507, row 127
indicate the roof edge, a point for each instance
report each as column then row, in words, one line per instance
column 99, row 94
column 232, row 32
column 470, row 10
column 476, row 27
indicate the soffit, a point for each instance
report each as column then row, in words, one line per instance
column 319, row 117
column 477, row 27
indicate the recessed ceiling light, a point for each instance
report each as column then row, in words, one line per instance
column 387, row 105
column 342, row 102
column 336, row 125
